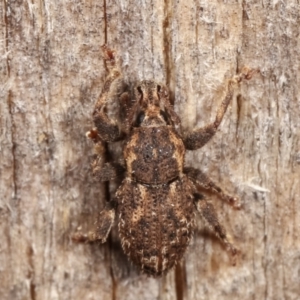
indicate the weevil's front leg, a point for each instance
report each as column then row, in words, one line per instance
column 199, row 137
column 203, row 181
column 103, row 226
column 208, row 213
column 108, row 129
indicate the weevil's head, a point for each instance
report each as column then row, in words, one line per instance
column 154, row 108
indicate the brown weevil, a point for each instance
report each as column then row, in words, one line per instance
column 158, row 196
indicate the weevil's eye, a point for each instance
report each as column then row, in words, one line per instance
column 140, row 118
column 165, row 116
column 158, row 88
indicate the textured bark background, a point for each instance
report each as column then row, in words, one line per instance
column 51, row 74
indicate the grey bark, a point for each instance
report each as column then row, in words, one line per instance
column 51, row 74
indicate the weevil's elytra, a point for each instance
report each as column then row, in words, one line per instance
column 156, row 248
column 159, row 195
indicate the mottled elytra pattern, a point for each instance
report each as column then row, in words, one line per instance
column 158, row 197
column 156, row 223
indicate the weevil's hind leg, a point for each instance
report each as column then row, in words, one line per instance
column 199, row 137
column 208, row 213
column 107, row 128
column 203, row 181
column 102, row 228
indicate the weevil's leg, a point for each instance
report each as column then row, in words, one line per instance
column 102, row 228
column 199, row 137
column 203, row 181
column 108, row 129
column 103, row 171
column 125, row 109
column 208, row 213
column 107, row 172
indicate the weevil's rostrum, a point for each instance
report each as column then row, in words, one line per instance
column 158, row 196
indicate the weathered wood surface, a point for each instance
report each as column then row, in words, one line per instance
column 51, row 74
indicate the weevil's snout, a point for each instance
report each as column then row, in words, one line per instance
column 148, row 94
column 152, row 112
